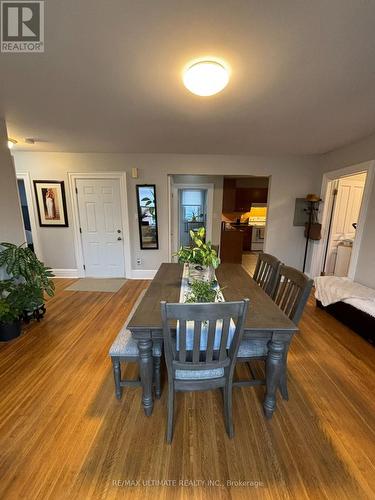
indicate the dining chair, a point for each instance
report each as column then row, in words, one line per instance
column 266, row 272
column 291, row 291
column 200, row 344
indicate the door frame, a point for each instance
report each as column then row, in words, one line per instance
column 78, row 248
column 25, row 176
column 174, row 205
column 326, row 195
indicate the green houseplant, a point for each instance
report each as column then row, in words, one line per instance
column 202, row 291
column 23, row 292
column 15, row 298
column 200, row 253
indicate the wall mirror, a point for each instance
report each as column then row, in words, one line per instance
column 147, row 216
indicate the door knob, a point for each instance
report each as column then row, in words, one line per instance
column 119, row 230
column 119, row 238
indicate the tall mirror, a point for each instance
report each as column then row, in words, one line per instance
column 147, row 216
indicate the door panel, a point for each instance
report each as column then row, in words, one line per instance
column 100, row 220
column 348, row 206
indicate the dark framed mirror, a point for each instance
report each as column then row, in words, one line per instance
column 147, row 216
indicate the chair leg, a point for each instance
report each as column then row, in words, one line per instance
column 228, row 409
column 117, row 377
column 157, row 377
column 170, row 412
column 283, row 385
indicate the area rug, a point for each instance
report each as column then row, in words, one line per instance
column 97, row 285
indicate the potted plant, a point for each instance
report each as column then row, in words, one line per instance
column 200, row 256
column 195, row 216
column 203, row 291
column 29, row 274
column 15, row 298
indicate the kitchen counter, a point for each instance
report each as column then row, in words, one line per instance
column 231, row 245
column 246, row 229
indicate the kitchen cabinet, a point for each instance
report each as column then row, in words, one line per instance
column 237, row 199
column 246, row 196
column 231, row 246
column 229, row 195
column 247, row 235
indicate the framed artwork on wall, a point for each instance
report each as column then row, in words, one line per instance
column 51, row 203
column 147, row 216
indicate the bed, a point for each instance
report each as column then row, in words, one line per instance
column 351, row 303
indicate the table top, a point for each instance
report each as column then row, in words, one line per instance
column 263, row 315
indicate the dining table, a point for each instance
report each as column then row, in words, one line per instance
column 265, row 321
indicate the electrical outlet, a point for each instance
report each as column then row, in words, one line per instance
column 139, row 261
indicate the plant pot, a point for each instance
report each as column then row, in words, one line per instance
column 210, row 273
column 10, row 331
column 202, row 273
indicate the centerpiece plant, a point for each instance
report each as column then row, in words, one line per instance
column 22, row 293
column 200, row 253
column 203, row 291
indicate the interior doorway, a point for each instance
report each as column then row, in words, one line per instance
column 28, row 215
column 346, row 200
column 244, row 220
column 191, row 207
column 25, row 213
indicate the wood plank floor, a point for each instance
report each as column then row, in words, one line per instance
column 64, row 435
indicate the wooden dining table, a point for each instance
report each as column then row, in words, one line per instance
column 265, row 321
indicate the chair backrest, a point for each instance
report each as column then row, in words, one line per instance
column 267, row 272
column 292, row 291
column 196, row 336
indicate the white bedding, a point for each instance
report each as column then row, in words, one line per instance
column 331, row 289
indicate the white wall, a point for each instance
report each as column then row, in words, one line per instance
column 353, row 154
column 11, row 223
column 291, row 177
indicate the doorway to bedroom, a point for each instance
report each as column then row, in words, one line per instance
column 345, row 197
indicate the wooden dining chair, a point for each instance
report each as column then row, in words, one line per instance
column 266, row 272
column 291, row 291
column 200, row 344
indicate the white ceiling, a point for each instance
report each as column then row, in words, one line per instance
column 303, row 77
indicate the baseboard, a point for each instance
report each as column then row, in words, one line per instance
column 65, row 273
column 143, row 274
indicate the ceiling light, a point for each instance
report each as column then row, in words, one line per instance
column 206, row 78
column 11, row 143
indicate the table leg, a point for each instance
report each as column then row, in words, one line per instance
column 274, row 367
column 146, row 372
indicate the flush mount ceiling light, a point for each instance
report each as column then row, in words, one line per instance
column 11, row 143
column 205, row 78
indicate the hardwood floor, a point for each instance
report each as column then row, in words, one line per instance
column 64, row 435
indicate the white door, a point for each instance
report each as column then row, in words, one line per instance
column 99, row 206
column 348, row 206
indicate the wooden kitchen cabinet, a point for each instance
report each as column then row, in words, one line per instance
column 246, row 196
column 231, row 246
column 229, row 195
column 237, row 199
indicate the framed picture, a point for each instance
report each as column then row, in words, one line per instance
column 147, row 216
column 51, row 203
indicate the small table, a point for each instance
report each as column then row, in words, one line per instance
column 264, row 321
